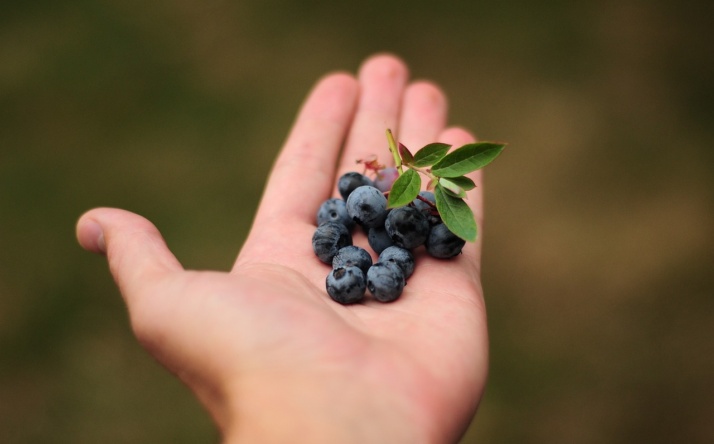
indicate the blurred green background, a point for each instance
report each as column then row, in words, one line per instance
column 599, row 253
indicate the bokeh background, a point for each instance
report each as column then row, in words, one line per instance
column 599, row 253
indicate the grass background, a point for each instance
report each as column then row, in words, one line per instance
column 599, row 252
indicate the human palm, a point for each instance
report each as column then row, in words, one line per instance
column 263, row 346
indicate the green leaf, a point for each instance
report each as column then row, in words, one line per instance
column 405, row 154
column 430, row 154
column 452, row 188
column 456, row 214
column 466, row 159
column 464, row 182
column 405, row 189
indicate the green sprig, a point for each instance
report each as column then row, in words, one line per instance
column 447, row 174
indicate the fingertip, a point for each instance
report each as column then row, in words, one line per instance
column 382, row 56
column 339, row 84
column 456, row 136
column 339, row 80
column 90, row 235
column 384, row 65
column 425, row 93
column 333, row 98
column 132, row 244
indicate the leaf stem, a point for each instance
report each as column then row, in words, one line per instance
column 426, row 201
column 395, row 151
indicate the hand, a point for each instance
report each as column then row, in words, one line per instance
column 263, row 347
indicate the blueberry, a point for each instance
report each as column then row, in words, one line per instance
column 407, row 227
column 346, row 285
column 442, row 243
column 432, row 215
column 352, row 256
column 385, row 178
column 367, row 206
column 328, row 239
column 385, row 281
column 348, row 182
column 379, row 239
column 400, row 256
column 334, row 210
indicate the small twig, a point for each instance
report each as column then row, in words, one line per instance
column 395, row 151
column 427, row 201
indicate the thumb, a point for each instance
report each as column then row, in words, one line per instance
column 135, row 249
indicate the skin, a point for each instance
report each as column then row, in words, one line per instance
column 263, row 347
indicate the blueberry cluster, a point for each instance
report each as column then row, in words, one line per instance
column 391, row 233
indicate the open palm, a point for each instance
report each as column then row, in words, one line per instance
column 271, row 356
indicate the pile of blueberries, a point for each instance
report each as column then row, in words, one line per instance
column 391, row 233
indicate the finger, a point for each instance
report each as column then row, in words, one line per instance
column 137, row 254
column 304, row 173
column 382, row 80
column 424, row 111
column 141, row 264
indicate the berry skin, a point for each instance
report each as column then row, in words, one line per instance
column 346, row 285
column 378, row 239
column 385, row 179
column 348, row 182
column 429, row 211
column 401, row 257
column 407, row 227
column 352, row 256
column 367, row 206
column 442, row 243
column 385, row 281
column 328, row 239
column 334, row 210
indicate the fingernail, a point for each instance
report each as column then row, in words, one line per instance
column 94, row 237
column 101, row 245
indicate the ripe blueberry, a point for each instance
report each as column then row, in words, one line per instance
column 407, row 227
column 334, row 210
column 352, row 256
column 346, row 285
column 328, row 239
column 442, row 243
column 348, row 182
column 399, row 256
column 385, row 281
column 367, row 206
column 379, row 239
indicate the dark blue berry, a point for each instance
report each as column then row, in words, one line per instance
column 328, row 239
column 334, row 210
column 348, row 182
column 442, row 243
column 385, row 281
column 367, row 206
column 379, row 239
column 346, row 285
column 400, row 256
column 352, row 256
column 407, row 227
